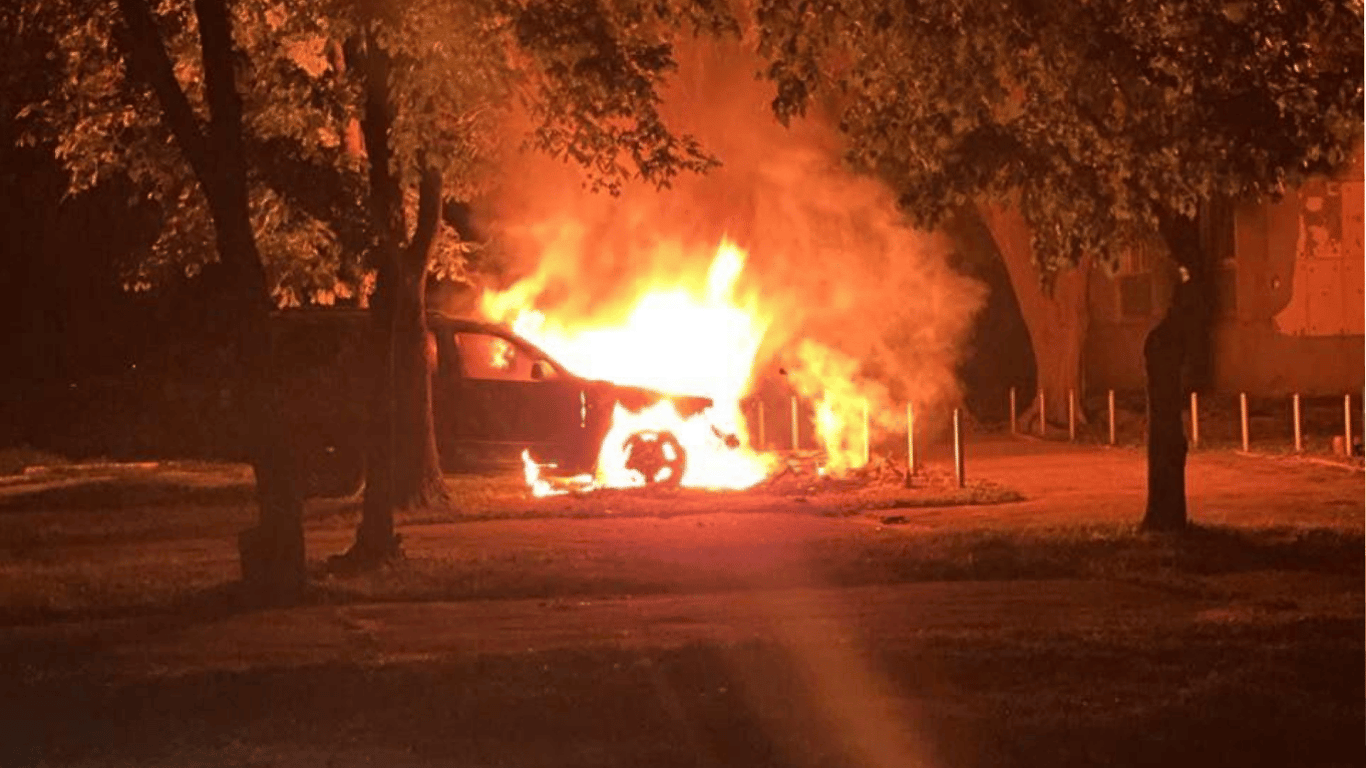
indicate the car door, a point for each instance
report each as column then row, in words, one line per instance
column 447, row 400
column 512, row 397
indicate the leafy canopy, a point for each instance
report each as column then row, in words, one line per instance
column 1095, row 117
column 580, row 78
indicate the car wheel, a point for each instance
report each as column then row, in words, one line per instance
column 656, row 456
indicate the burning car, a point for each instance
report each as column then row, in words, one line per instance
column 497, row 396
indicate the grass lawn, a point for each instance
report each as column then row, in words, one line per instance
column 1022, row 621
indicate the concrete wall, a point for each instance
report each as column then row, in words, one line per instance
column 1291, row 296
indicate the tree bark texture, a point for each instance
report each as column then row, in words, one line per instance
column 1057, row 319
column 272, row 554
column 403, row 469
column 1165, row 357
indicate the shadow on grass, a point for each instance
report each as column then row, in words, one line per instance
column 1076, row 700
column 1223, row 549
column 1072, row 553
column 187, row 609
column 1112, row 553
column 120, row 493
column 1102, row 552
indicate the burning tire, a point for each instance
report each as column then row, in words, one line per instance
column 657, row 457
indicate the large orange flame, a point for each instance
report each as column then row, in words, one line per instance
column 679, row 339
column 696, row 338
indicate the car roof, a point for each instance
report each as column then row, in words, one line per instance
column 468, row 325
column 354, row 318
column 353, row 315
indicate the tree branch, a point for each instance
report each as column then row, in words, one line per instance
column 428, row 217
column 147, row 60
column 386, row 199
column 225, row 104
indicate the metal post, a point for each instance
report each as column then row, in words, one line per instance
column 1012, row 410
column 1295, row 408
column 1347, row 423
column 796, row 443
column 1071, row 416
column 1195, row 420
column 958, row 446
column 1112, row 416
column 910, row 443
column 1242, row 412
column 867, row 436
column 1043, row 415
column 760, row 424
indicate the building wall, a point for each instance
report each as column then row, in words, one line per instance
column 1124, row 307
column 1290, row 294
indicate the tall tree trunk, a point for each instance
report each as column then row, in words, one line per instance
column 273, row 559
column 403, row 469
column 1165, row 358
column 272, row 553
column 1057, row 319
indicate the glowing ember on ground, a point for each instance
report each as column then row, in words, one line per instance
column 541, row 487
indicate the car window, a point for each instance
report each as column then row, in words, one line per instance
column 488, row 356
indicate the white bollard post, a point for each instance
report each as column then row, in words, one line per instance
column 1195, row 420
column 910, row 443
column 958, row 447
column 796, row 442
column 1347, row 424
column 867, row 436
column 1295, row 408
column 1112, row 416
column 1071, row 416
column 1242, row 412
column 1043, row 415
column 1012, row 410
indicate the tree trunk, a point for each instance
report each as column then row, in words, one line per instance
column 1057, row 319
column 273, row 560
column 1165, row 357
column 402, row 469
column 272, row 554
column 274, row 566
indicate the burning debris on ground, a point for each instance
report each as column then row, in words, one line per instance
column 800, row 482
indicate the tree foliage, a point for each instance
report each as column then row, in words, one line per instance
column 1095, row 117
column 578, row 80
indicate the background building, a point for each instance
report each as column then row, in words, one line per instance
column 1289, row 297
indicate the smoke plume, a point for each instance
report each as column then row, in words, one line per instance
column 858, row 302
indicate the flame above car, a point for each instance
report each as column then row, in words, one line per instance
column 696, row 334
column 695, row 343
